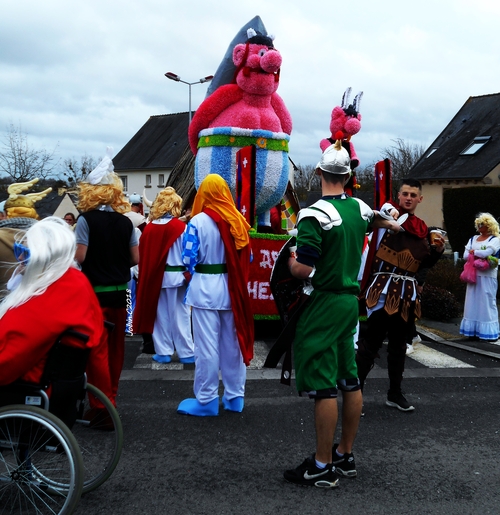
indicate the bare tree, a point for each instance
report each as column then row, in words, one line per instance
column 305, row 180
column 20, row 161
column 74, row 171
column 403, row 156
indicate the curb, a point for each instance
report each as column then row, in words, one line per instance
column 437, row 339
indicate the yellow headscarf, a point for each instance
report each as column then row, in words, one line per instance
column 214, row 193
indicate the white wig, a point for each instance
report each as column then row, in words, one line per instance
column 52, row 247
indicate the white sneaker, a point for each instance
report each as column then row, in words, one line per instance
column 409, row 349
column 416, row 339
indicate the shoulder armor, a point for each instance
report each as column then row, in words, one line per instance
column 326, row 214
column 365, row 210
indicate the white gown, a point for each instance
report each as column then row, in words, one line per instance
column 480, row 309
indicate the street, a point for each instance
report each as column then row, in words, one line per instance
column 441, row 458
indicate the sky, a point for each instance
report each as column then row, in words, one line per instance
column 77, row 77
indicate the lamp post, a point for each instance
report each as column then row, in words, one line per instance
column 173, row 76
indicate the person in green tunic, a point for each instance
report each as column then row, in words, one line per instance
column 329, row 245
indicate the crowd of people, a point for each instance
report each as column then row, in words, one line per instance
column 188, row 274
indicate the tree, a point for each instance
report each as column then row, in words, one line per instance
column 20, row 161
column 403, row 156
column 305, row 180
column 74, row 171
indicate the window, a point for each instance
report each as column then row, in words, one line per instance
column 475, row 146
column 161, row 180
column 124, row 181
column 148, row 181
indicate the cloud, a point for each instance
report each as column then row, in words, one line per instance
column 89, row 74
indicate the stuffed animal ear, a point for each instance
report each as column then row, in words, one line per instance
column 345, row 98
column 239, row 54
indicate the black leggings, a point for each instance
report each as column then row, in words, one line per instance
column 380, row 325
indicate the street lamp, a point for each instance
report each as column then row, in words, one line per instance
column 173, row 76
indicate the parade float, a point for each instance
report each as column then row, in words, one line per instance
column 241, row 131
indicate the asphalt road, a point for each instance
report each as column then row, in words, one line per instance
column 440, row 459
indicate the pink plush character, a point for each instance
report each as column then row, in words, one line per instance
column 247, row 112
column 347, row 119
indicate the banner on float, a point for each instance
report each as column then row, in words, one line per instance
column 265, row 250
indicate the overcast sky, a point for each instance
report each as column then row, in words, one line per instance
column 88, row 74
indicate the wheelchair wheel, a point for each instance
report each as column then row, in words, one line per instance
column 41, row 469
column 99, row 433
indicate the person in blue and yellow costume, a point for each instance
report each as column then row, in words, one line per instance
column 216, row 251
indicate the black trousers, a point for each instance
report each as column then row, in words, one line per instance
column 380, row 325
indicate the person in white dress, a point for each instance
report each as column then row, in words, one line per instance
column 480, row 311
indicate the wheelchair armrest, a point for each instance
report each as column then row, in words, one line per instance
column 21, row 392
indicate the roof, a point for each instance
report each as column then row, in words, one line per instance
column 478, row 117
column 182, row 177
column 158, row 144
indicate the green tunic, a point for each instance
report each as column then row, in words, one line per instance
column 323, row 346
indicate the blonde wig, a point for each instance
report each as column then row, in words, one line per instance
column 167, row 201
column 20, row 211
column 52, row 246
column 92, row 196
column 489, row 222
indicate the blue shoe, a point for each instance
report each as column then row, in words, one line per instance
column 235, row 404
column 196, row 409
column 190, row 359
column 162, row 359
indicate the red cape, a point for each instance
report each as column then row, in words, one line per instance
column 238, row 265
column 154, row 246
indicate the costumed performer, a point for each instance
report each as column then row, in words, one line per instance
column 216, row 250
column 480, row 310
column 51, row 297
column 106, row 249
column 391, row 288
column 330, row 239
column 160, row 307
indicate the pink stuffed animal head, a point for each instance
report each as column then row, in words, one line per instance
column 346, row 117
column 258, row 64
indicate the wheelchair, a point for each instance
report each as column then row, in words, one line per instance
column 55, row 448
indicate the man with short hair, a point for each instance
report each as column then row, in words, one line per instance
column 392, row 290
column 330, row 239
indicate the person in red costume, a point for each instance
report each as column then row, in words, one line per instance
column 160, row 310
column 44, row 305
column 391, row 287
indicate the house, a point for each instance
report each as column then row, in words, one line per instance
column 146, row 161
column 465, row 154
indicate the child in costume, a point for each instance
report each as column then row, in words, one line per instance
column 160, row 309
column 106, row 249
column 216, row 250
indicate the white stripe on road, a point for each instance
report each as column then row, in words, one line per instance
column 434, row 359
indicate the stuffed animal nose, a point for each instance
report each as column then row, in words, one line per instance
column 270, row 62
